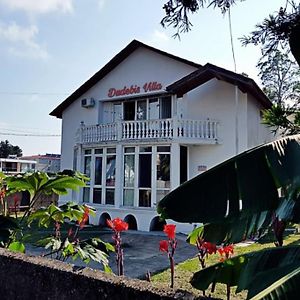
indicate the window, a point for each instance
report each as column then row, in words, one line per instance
column 147, row 109
column 87, row 172
column 163, row 165
column 86, row 194
column 141, row 111
column 129, row 176
column 100, row 166
column 98, row 170
column 163, row 170
column 129, row 111
column 165, row 107
column 110, row 170
column 97, row 196
column 146, row 175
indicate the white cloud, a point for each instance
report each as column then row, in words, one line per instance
column 101, row 4
column 39, row 6
column 157, row 38
column 22, row 41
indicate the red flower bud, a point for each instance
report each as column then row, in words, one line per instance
column 163, row 246
column 169, row 230
column 117, row 224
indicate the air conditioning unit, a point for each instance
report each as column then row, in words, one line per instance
column 88, row 102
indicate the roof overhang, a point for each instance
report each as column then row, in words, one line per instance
column 114, row 62
column 208, row 72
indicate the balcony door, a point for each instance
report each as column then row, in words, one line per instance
column 117, row 112
column 153, row 109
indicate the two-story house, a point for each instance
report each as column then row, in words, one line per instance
column 148, row 121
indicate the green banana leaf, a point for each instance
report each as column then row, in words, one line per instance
column 244, row 185
column 268, row 272
column 232, row 229
column 285, row 288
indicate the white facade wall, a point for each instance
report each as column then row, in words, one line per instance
column 140, row 67
column 258, row 133
column 217, row 100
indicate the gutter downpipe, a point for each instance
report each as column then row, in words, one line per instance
column 236, row 120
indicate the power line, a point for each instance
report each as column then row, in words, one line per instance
column 31, row 134
column 231, row 39
column 22, row 131
column 33, row 93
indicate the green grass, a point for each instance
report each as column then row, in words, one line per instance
column 185, row 270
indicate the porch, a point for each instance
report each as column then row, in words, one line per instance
column 189, row 131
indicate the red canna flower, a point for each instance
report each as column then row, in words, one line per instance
column 164, row 246
column 170, row 230
column 117, row 225
column 85, row 217
column 209, row 247
column 226, row 251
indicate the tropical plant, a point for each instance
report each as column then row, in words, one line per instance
column 169, row 247
column 63, row 246
column 12, row 230
column 237, row 198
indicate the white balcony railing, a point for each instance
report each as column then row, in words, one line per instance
column 147, row 130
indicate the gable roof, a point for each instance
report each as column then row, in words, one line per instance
column 210, row 71
column 114, row 62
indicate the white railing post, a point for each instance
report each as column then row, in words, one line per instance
column 119, row 131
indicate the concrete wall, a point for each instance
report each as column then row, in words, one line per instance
column 24, row 277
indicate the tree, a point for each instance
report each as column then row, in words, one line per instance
column 237, row 198
column 280, row 29
column 280, row 77
column 7, row 149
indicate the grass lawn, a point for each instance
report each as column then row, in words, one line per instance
column 185, row 270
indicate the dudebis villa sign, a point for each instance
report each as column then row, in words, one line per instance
column 135, row 89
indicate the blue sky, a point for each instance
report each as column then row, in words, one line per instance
column 48, row 48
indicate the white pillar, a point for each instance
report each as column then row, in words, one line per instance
column 119, row 177
column 175, row 165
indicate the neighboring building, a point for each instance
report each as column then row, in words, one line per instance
column 46, row 163
column 148, row 121
column 13, row 165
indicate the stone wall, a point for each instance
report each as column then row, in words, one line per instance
column 26, row 277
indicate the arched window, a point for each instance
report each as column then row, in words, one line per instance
column 157, row 224
column 131, row 220
column 103, row 218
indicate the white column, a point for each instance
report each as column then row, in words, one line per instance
column 119, row 177
column 136, row 177
column 153, row 176
column 175, row 165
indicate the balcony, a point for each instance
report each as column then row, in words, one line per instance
column 189, row 131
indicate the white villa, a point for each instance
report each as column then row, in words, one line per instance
column 147, row 122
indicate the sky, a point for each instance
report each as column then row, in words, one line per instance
column 48, row 48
